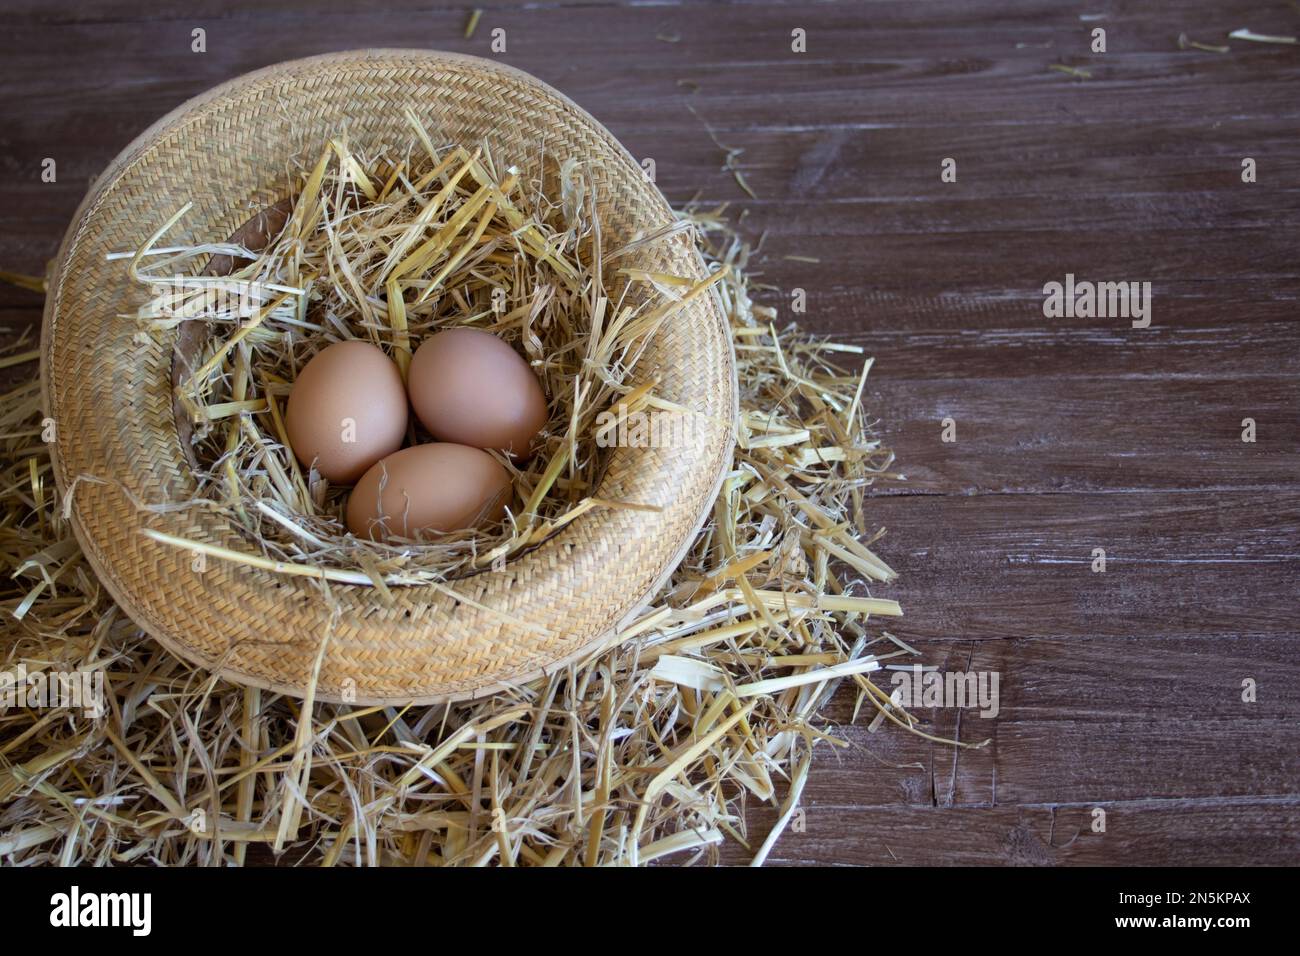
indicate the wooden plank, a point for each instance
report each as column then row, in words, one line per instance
column 1164, row 744
column 1192, row 336
column 1168, row 720
column 1007, row 566
column 1247, row 832
column 1088, row 433
column 881, row 59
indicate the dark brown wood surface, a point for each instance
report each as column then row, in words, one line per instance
column 1120, row 691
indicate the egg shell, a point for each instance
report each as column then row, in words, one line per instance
column 470, row 387
column 348, row 390
column 440, row 486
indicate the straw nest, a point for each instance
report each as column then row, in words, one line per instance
column 389, row 248
column 648, row 751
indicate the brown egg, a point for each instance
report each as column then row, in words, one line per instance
column 469, row 386
column 347, row 410
column 435, row 487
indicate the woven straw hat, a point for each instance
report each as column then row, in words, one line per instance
column 110, row 395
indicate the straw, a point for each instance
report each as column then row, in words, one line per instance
column 404, row 260
column 648, row 752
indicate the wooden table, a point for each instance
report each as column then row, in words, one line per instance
column 1120, row 690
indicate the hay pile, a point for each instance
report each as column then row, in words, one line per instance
column 645, row 752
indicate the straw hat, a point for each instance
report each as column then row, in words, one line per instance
column 117, row 448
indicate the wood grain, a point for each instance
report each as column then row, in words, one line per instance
column 1120, row 691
